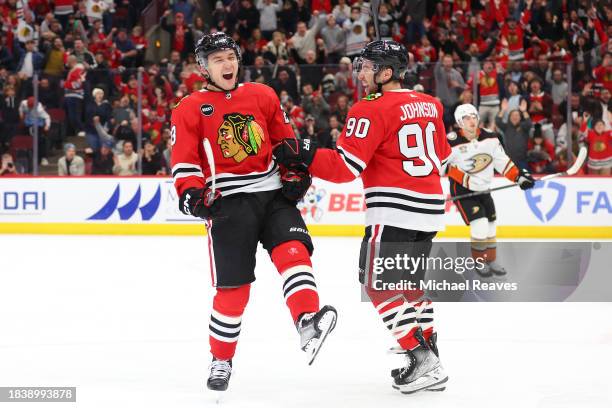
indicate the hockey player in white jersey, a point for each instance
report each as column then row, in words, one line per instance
column 476, row 154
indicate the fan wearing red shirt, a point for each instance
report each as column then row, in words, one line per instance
column 396, row 141
column 599, row 142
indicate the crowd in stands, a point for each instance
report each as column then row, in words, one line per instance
column 521, row 62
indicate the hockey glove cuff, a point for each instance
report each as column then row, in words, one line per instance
column 296, row 181
column 525, row 180
column 459, row 176
column 293, row 152
column 199, row 202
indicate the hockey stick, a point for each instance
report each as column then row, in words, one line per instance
column 211, row 163
column 569, row 172
column 374, row 6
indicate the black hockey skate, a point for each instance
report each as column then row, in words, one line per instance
column 314, row 328
column 220, row 372
column 497, row 269
column 423, row 370
column 433, row 345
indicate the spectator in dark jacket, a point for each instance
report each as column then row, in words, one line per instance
column 515, row 132
column 98, row 113
column 181, row 35
column 102, row 160
column 30, row 61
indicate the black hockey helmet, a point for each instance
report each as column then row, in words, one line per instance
column 384, row 54
column 213, row 42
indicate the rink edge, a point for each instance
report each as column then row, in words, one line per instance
column 558, row 232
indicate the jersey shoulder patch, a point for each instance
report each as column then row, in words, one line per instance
column 372, row 97
column 451, row 135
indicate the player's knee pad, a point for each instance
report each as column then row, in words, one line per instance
column 231, row 301
column 492, row 229
column 479, row 228
column 289, row 255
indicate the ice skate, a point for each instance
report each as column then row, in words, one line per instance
column 496, row 268
column 314, row 328
column 432, row 343
column 220, row 372
column 423, row 370
column 484, row 272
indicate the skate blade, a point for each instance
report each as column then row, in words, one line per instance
column 405, row 389
column 329, row 318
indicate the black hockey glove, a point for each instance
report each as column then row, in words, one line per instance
column 293, row 152
column 296, row 181
column 525, row 180
column 199, row 202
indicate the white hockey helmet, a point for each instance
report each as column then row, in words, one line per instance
column 464, row 110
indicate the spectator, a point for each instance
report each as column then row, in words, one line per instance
column 73, row 95
column 312, row 71
column 328, row 137
column 8, row 167
column 540, row 103
column 98, row 113
column 125, row 162
column 140, row 43
column 259, row 72
column 334, row 38
column 248, row 18
column 344, row 77
column 70, row 164
column 341, row 12
column 268, row 10
column 186, row 8
column 310, row 129
column 316, row 106
column 540, row 152
column 276, row 48
column 515, row 132
column 82, row 55
column 9, row 112
column 102, row 160
column 342, row 108
column 152, row 160
column 304, row 39
column 513, row 99
column 39, row 118
column 488, row 87
column 6, row 56
column 285, row 81
column 599, row 143
column 127, row 48
column 54, row 60
column 356, row 32
column 559, row 88
column 449, row 84
column 48, row 95
column 181, row 35
column 295, row 113
column 386, row 23
column 167, row 153
column 30, row 61
column 289, row 15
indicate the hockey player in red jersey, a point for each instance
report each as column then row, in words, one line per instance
column 252, row 203
column 476, row 154
column 395, row 140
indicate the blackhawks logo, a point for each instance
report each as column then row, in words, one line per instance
column 239, row 136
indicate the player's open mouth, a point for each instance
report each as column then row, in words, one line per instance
column 228, row 76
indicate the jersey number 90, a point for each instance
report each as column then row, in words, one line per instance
column 424, row 149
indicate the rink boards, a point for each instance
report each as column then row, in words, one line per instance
column 577, row 207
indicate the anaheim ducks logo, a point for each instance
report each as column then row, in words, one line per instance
column 239, row 136
column 480, row 162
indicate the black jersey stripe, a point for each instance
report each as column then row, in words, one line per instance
column 405, row 208
column 253, row 177
column 404, row 197
column 185, row 170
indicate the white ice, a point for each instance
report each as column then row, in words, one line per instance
column 125, row 319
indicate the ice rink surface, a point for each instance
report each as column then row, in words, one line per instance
column 125, row 319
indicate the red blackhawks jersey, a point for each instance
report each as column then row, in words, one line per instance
column 241, row 129
column 397, row 143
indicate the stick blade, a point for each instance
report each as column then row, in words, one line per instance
column 582, row 154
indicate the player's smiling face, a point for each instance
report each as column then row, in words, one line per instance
column 366, row 76
column 223, row 68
